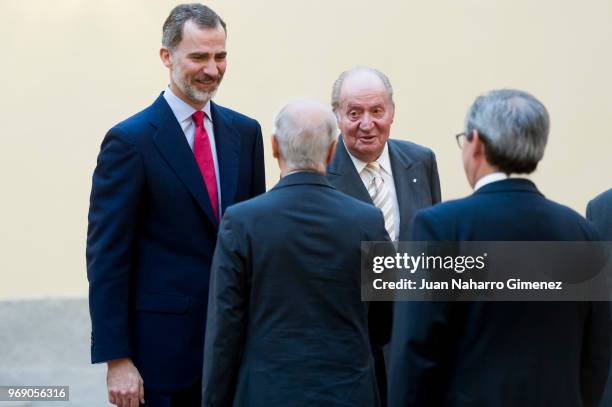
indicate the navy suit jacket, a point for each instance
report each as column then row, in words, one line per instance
column 151, row 238
column 286, row 325
column 599, row 212
column 409, row 162
column 499, row 353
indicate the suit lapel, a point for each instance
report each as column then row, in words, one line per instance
column 171, row 143
column 227, row 140
column 344, row 177
column 404, row 174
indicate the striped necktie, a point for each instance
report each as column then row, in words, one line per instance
column 381, row 196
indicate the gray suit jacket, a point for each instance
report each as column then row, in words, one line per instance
column 409, row 161
column 599, row 212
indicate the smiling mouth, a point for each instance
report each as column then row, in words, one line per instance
column 206, row 81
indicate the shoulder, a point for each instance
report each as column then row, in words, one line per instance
column 254, row 210
column 562, row 210
column 564, row 216
column 413, row 150
column 251, row 207
column 602, row 200
column 518, row 213
column 440, row 221
column 356, row 209
column 134, row 127
column 450, row 209
column 351, row 213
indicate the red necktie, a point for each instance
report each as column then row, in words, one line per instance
column 204, row 158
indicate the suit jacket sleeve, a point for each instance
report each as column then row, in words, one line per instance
column 258, row 171
column 115, row 197
column 420, row 341
column 225, row 326
column 595, row 353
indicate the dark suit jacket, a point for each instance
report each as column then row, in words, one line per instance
column 499, row 353
column 286, row 325
column 409, row 161
column 599, row 212
column 152, row 235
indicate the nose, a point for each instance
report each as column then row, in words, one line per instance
column 211, row 69
column 366, row 122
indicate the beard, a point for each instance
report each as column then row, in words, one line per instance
column 186, row 85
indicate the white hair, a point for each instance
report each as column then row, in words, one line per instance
column 337, row 87
column 305, row 130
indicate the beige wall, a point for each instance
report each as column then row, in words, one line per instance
column 75, row 67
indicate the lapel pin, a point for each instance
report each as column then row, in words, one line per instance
column 414, row 180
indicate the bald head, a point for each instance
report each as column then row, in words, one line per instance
column 304, row 133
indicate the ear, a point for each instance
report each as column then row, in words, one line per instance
column 478, row 145
column 331, row 152
column 275, row 149
column 166, row 57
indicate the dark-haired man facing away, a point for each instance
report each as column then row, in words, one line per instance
column 500, row 353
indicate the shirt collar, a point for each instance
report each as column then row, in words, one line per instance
column 489, row 178
column 383, row 160
column 183, row 111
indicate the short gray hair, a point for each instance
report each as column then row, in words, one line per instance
column 201, row 15
column 514, row 128
column 337, row 88
column 305, row 130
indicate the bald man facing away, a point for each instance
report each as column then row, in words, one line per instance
column 286, row 324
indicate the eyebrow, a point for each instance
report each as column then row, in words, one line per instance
column 206, row 54
column 361, row 107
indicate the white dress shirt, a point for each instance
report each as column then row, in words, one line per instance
column 490, row 178
column 387, row 174
column 183, row 112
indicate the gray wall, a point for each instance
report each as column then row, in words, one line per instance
column 46, row 342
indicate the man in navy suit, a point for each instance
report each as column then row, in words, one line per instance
column 286, row 325
column 163, row 179
column 599, row 213
column 500, row 353
column 362, row 99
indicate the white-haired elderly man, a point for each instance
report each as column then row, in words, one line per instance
column 286, row 325
column 397, row 176
column 500, row 353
